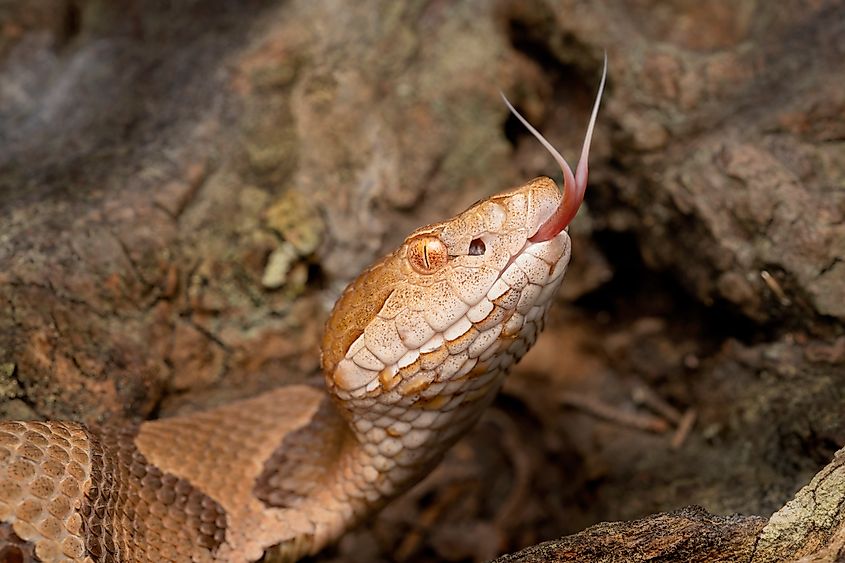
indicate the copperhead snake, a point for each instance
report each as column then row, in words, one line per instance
column 413, row 351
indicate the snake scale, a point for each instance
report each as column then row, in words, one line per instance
column 414, row 350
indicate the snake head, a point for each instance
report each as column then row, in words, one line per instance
column 456, row 303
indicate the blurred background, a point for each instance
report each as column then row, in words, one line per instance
column 185, row 188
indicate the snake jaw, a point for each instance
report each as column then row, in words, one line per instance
column 574, row 185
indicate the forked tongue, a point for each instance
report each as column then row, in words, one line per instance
column 574, row 186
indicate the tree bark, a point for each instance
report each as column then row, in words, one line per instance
column 809, row 528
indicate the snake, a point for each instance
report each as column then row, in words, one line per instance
column 413, row 351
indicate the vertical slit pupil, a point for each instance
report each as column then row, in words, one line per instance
column 476, row 247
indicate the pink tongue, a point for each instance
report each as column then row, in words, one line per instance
column 573, row 195
column 573, row 186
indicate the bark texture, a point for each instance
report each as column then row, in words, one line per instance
column 185, row 187
column 810, row 527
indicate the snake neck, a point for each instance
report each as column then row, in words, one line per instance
column 401, row 436
column 367, row 456
column 384, row 450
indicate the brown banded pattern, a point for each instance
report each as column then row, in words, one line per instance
column 133, row 511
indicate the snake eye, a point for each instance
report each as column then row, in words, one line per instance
column 427, row 254
column 476, row 247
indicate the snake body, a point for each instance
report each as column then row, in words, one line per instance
column 414, row 350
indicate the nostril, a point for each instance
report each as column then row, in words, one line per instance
column 477, row 247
